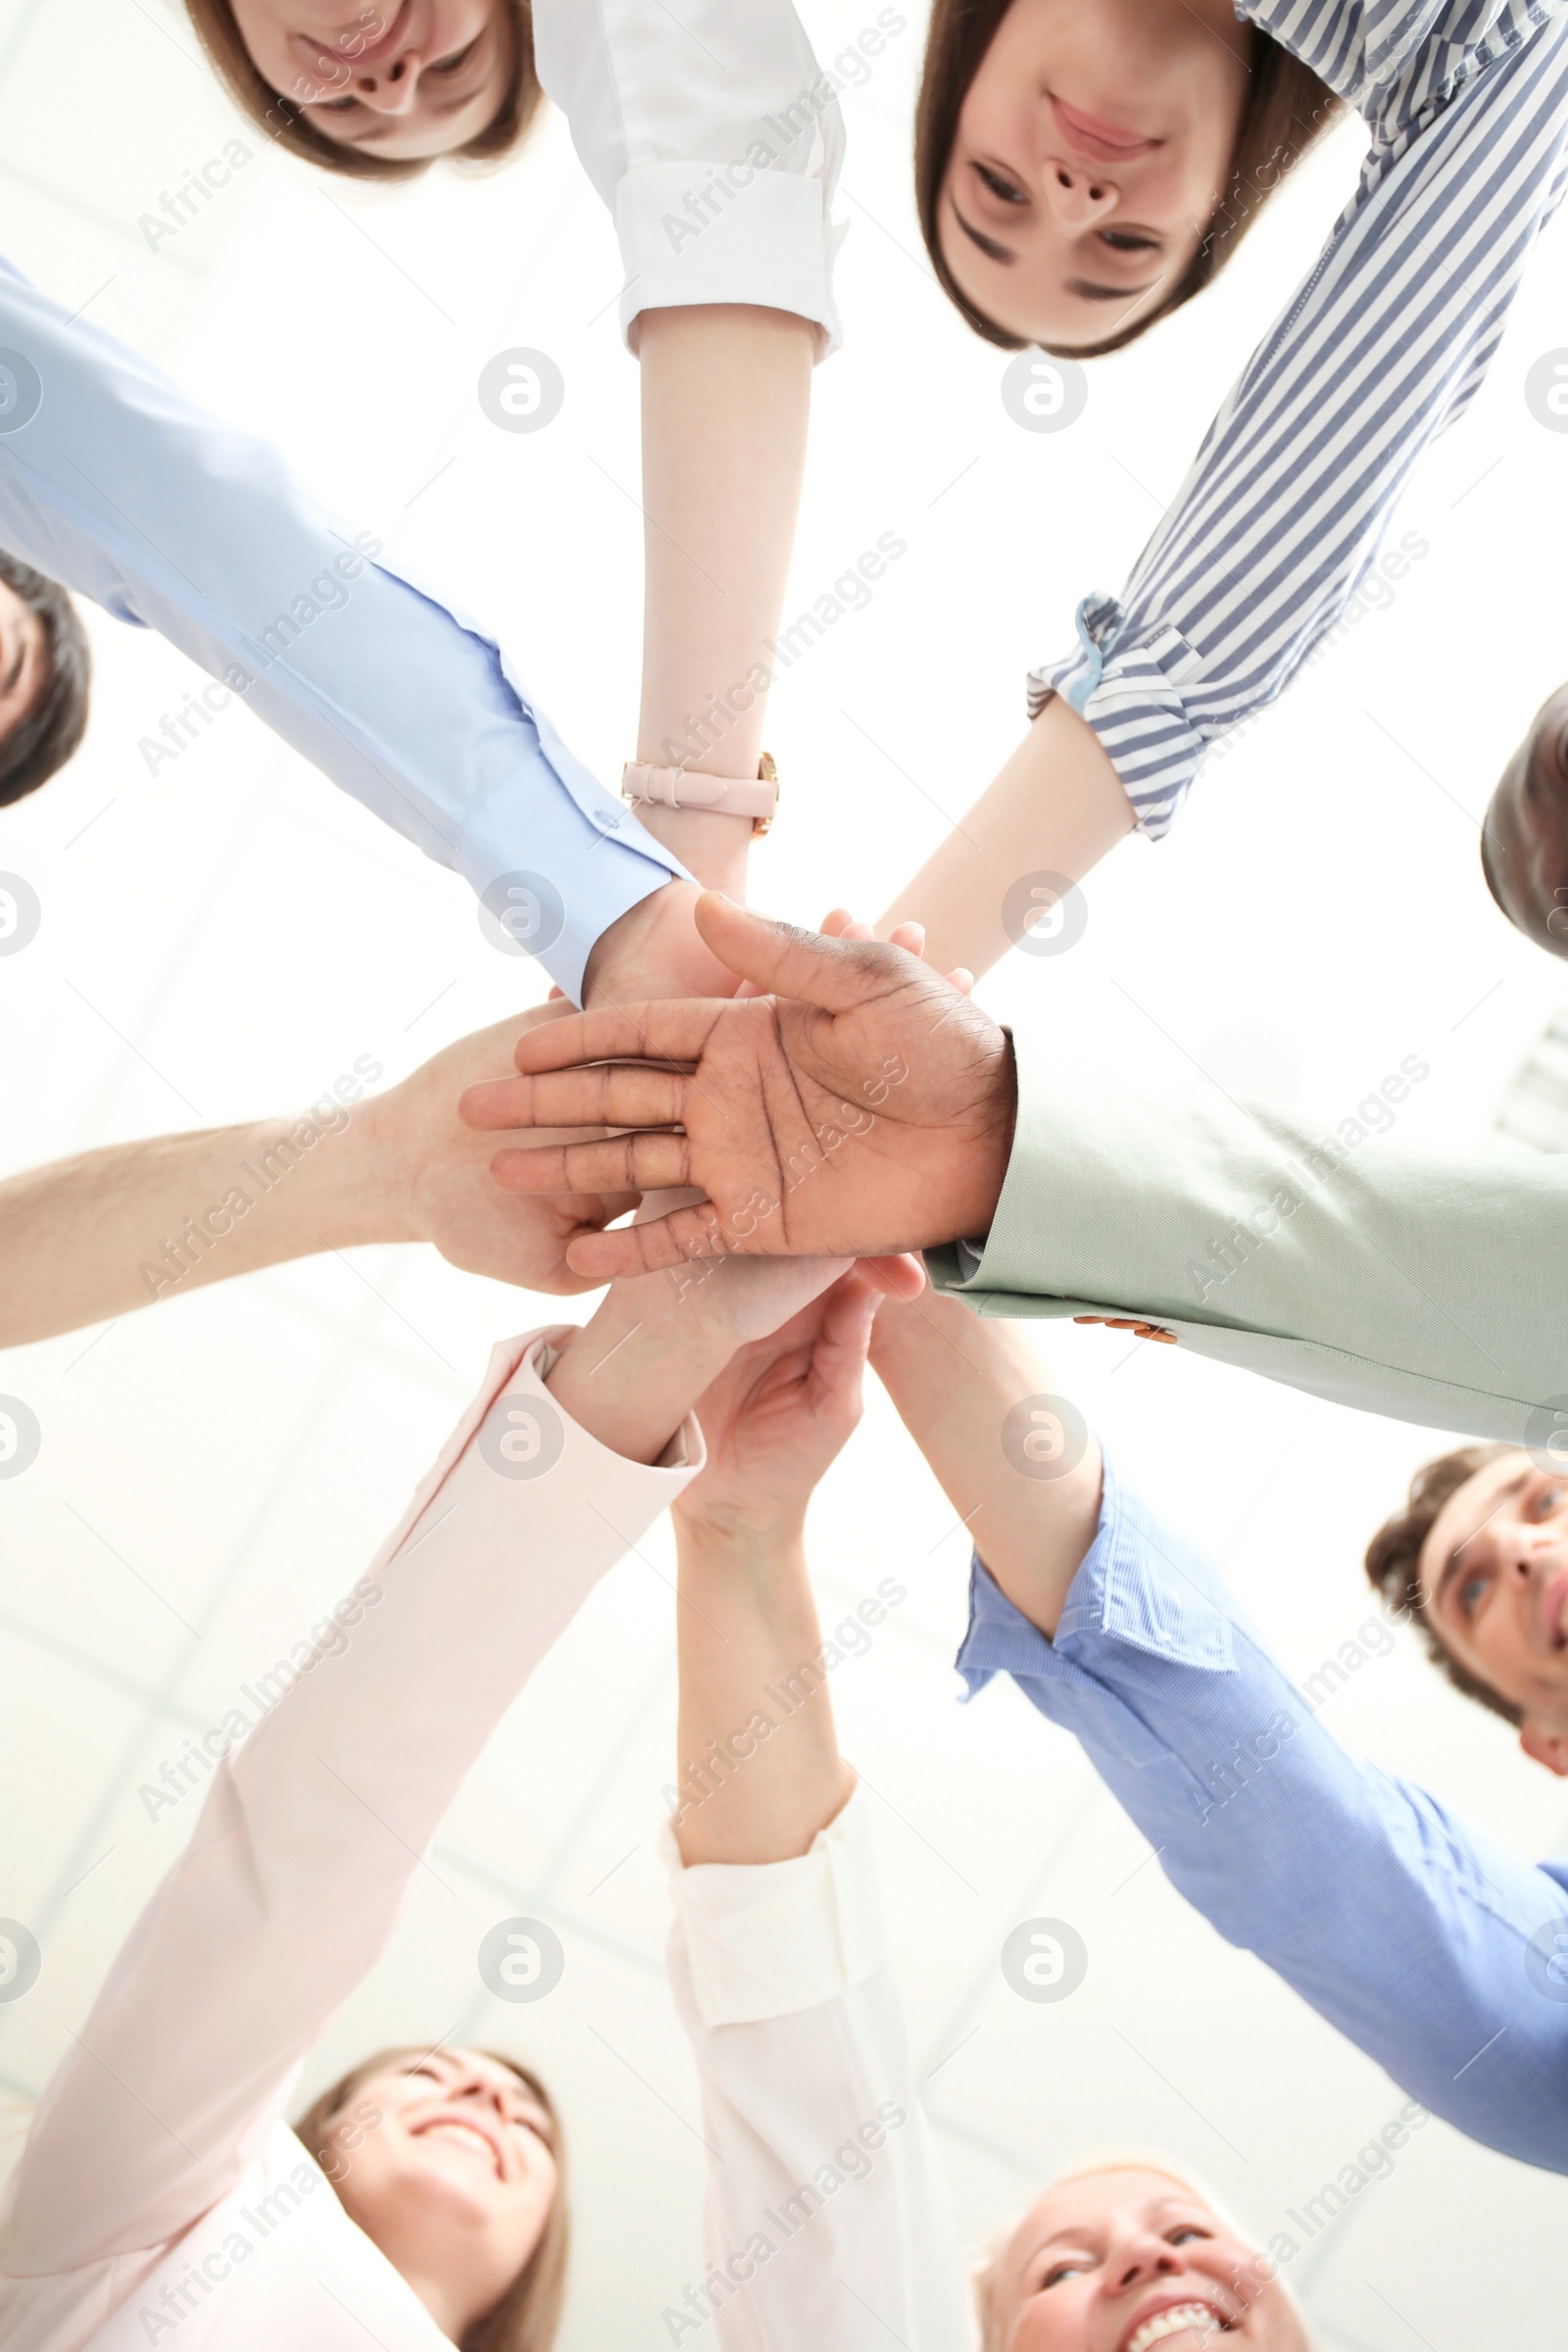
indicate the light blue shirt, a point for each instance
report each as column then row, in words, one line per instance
column 1403, row 1925
column 114, row 483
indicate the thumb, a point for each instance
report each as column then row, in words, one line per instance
column 836, row 975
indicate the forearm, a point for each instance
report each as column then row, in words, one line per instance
column 111, row 1230
column 1054, row 810
column 1020, row 1468
column 1401, row 1924
column 760, row 1772
column 330, row 1775
column 725, row 401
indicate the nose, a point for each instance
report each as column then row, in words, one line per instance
column 1075, row 196
column 1141, row 2260
column 391, row 86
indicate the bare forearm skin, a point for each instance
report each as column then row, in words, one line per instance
column 1056, row 809
column 954, row 1377
column 111, row 1230
column 758, row 1768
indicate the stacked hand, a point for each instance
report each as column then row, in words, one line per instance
column 860, row 1106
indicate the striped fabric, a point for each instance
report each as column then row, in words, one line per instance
column 1383, row 347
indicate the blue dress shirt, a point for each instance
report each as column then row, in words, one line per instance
column 1428, row 1944
column 114, row 483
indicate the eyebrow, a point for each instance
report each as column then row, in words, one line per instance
column 1450, row 1566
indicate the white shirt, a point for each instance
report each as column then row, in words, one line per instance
column 113, row 482
column 826, row 2227
column 160, row 2193
column 716, row 142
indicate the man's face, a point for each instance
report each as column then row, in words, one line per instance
column 1495, row 1585
column 1527, row 831
column 23, row 658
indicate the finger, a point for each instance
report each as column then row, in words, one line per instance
column 839, row 1356
column 835, row 975
column 641, row 1098
column 911, row 937
column 684, row 1235
column 895, row 1277
column 961, row 978
column 620, row 1163
column 674, row 1030
column 554, row 995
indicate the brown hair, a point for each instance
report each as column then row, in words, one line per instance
column 527, row 2318
column 1287, row 107
column 1394, row 1563
column 46, row 735
column 290, row 126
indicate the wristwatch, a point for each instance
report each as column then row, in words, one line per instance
column 755, row 796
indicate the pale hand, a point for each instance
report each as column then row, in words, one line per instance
column 437, row 1169
column 780, row 1412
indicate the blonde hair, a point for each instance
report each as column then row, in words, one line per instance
column 527, row 2318
column 983, row 2272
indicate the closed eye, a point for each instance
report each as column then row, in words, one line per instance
column 455, row 65
column 1003, row 189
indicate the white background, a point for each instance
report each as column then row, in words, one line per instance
column 228, row 937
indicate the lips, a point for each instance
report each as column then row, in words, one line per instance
column 1193, row 2315
column 464, row 2132
column 1105, row 142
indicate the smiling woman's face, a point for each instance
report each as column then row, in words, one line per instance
column 1123, row 2261
column 399, row 78
column 1092, row 150
column 456, row 2182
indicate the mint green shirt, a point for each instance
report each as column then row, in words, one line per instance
column 1410, row 1278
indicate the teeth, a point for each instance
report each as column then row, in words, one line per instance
column 467, row 2133
column 1200, row 2318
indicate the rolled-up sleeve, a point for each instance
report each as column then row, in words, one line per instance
column 1405, row 1926
column 716, row 139
column 1252, row 573
column 825, row 2200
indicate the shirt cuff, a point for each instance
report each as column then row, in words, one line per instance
column 1137, row 1586
column 765, row 1939
column 727, row 232
column 556, row 867
column 1127, row 683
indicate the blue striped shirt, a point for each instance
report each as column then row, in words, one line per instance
column 1380, row 350
column 1428, row 1944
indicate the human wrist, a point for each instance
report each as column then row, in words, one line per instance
column 630, row 1379
column 724, row 1534
column 712, row 844
column 372, row 1188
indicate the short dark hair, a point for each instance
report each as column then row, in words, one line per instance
column 45, row 737
column 290, row 124
column 1394, row 1563
column 1288, row 106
